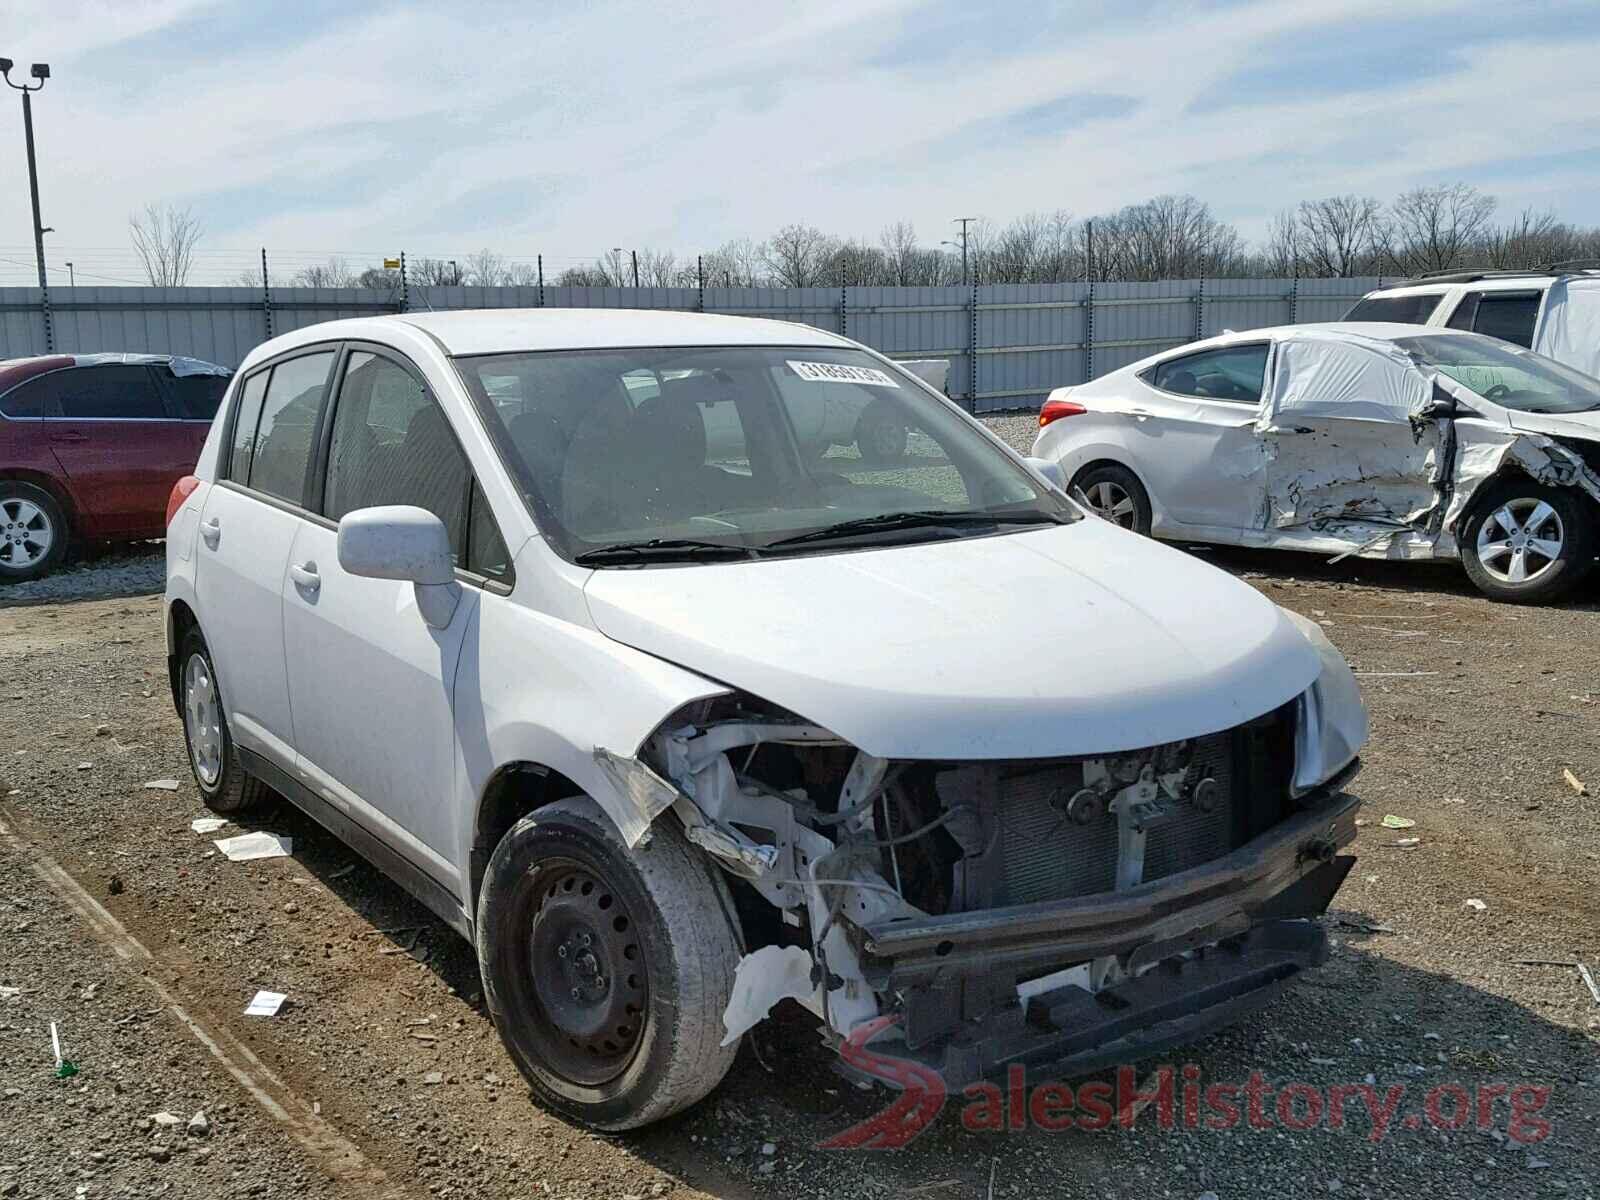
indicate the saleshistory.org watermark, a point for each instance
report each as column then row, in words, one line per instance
column 1172, row 1098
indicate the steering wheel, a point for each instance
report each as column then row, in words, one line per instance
column 1498, row 392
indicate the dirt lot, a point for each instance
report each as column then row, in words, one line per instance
column 383, row 1076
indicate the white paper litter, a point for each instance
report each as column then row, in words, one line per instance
column 207, row 824
column 250, row 846
column 163, row 785
column 7, row 992
column 265, row 1004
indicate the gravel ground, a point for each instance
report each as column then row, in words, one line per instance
column 135, row 570
column 1477, row 711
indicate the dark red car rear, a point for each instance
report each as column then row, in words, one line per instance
column 90, row 446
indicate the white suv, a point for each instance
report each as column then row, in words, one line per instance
column 1555, row 312
column 674, row 731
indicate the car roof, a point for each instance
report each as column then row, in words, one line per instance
column 1487, row 283
column 1377, row 331
column 510, row 330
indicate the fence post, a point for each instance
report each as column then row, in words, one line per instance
column 1200, row 309
column 405, row 287
column 700, row 283
column 972, row 349
column 266, row 293
column 844, row 307
column 1294, row 300
column 541, row 281
column 1088, row 334
column 49, row 321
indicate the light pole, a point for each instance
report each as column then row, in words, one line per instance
column 41, row 72
column 964, row 223
column 616, row 259
column 72, row 279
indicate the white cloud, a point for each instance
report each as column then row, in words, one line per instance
column 681, row 125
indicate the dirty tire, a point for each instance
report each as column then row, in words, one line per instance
column 880, row 434
column 229, row 790
column 33, row 532
column 680, row 935
column 1115, row 481
column 1574, row 519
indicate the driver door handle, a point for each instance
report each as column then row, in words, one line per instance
column 211, row 531
column 305, row 576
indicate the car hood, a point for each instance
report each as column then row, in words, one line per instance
column 1578, row 425
column 1077, row 639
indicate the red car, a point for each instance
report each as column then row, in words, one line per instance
column 90, row 446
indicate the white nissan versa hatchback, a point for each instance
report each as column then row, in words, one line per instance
column 674, row 728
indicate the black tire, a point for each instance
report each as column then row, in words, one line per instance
column 225, row 787
column 880, row 434
column 33, row 532
column 1110, row 480
column 1570, row 520
column 657, row 972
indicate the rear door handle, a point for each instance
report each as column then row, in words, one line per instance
column 1140, row 414
column 211, row 531
column 305, row 576
column 69, row 435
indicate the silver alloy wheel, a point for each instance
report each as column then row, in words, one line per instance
column 1112, row 502
column 26, row 533
column 202, row 719
column 1521, row 540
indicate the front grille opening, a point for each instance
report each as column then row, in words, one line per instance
column 1013, row 837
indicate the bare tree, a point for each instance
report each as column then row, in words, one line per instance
column 522, row 274
column 737, row 263
column 659, row 268
column 1339, row 236
column 1432, row 228
column 164, row 238
column 435, row 272
column 379, row 279
column 1280, row 253
column 335, row 273
column 798, row 256
column 900, row 251
column 486, row 269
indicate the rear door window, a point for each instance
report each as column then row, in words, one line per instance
column 286, row 436
column 1509, row 316
column 248, row 416
column 1404, row 310
column 118, row 392
column 1232, row 373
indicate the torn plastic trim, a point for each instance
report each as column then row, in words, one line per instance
column 1331, row 724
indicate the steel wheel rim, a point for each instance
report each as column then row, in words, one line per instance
column 202, row 719
column 1521, row 540
column 26, row 533
column 586, row 966
column 1112, row 501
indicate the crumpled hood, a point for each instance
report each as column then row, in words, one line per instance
column 1077, row 639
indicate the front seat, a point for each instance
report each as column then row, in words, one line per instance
column 429, row 470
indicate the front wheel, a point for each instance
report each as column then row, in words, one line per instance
column 1527, row 543
column 607, row 970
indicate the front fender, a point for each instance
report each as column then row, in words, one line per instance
column 535, row 689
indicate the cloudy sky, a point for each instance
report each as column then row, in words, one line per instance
column 568, row 128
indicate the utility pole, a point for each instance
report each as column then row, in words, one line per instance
column 41, row 72
column 964, row 222
column 72, row 278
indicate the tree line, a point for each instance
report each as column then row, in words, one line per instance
column 1425, row 229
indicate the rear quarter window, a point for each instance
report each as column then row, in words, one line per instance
column 30, row 399
column 1402, row 310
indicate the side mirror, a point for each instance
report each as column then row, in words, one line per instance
column 400, row 541
column 1050, row 470
column 1440, row 404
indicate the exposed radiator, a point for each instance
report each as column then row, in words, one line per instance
column 1048, row 857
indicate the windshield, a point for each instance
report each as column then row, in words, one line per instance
column 691, row 453
column 1508, row 375
column 1404, row 310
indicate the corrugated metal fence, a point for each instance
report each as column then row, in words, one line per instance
column 1008, row 344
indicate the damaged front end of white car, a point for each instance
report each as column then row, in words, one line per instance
column 1074, row 911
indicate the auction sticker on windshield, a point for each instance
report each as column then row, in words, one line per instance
column 839, row 373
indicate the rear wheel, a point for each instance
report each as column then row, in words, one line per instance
column 607, row 970
column 1116, row 494
column 224, row 785
column 33, row 532
column 1528, row 543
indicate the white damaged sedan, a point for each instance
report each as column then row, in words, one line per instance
column 676, row 726
column 1386, row 441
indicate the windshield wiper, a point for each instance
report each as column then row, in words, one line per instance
column 928, row 518
column 663, row 550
